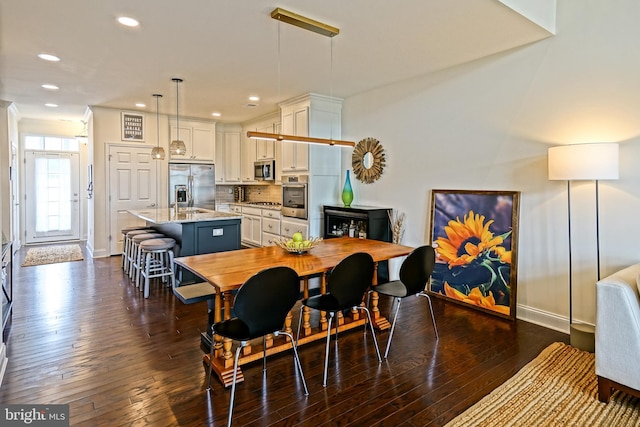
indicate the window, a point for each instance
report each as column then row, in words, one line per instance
column 50, row 143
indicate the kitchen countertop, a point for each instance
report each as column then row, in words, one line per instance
column 167, row 215
column 254, row 205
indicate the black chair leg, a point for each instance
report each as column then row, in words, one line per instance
column 433, row 319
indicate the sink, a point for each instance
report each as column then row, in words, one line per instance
column 194, row 210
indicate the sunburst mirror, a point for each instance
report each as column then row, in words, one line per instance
column 368, row 160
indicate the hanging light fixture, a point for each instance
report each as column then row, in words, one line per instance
column 317, row 27
column 177, row 145
column 157, row 152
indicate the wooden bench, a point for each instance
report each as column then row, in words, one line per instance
column 190, row 294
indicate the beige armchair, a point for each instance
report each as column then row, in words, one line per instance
column 618, row 333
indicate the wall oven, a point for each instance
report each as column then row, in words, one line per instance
column 294, row 196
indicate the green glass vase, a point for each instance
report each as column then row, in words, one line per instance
column 347, row 192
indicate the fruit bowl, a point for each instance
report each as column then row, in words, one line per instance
column 297, row 247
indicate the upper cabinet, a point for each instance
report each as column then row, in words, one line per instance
column 295, row 121
column 259, row 149
column 266, row 149
column 232, row 159
column 199, row 138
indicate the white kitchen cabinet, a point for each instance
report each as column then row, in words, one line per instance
column 220, row 156
column 251, row 226
column 270, row 226
column 266, row 149
column 248, row 153
column 232, row 159
column 288, row 226
column 317, row 116
column 199, row 139
column 295, row 155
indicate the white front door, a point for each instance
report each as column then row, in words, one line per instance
column 132, row 185
column 52, row 196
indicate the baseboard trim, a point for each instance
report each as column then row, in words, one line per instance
column 543, row 318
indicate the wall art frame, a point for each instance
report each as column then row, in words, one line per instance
column 475, row 236
column 132, row 125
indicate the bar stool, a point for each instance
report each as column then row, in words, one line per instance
column 136, row 263
column 158, row 261
column 126, row 244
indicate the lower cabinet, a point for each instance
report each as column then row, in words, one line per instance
column 289, row 226
column 270, row 226
column 252, row 226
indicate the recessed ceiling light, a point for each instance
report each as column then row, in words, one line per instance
column 216, row 114
column 254, row 98
column 48, row 57
column 51, row 105
column 140, row 105
column 128, row 21
column 49, row 86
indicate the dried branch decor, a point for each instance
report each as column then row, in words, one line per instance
column 396, row 219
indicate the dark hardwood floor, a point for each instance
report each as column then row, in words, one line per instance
column 82, row 335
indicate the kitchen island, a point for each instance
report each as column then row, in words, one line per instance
column 195, row 230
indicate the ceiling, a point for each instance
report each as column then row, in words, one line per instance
column 227, row 50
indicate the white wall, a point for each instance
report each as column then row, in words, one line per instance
column 487, row 125
column 106, row 130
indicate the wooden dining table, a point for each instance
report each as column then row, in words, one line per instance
column 227, row 271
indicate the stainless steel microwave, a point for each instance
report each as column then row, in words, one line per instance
column 264, row 170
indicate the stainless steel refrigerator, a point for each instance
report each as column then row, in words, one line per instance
column 194, row 183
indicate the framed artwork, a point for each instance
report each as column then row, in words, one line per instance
column 475, row 236
column 132, row 127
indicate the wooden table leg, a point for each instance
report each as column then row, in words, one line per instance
column 306, row 311
column 379, row 322
column 217, row 317
column 323, row 290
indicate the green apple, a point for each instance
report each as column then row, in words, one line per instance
column 306, row 244
column 297, row 237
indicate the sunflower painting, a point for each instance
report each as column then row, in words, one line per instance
column 474, row 234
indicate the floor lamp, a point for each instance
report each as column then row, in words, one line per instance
column 579, row 162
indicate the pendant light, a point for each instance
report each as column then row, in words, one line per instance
column 282, row 15
column 157, row 152
column 177, row 146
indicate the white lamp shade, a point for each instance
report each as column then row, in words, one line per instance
column 583, row 162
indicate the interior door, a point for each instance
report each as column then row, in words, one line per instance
column 132, row 185
column 52, row 196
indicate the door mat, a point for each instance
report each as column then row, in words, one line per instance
column 558, row 388
column 52, row 254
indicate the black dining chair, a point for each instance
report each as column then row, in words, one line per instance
column 415, row 271
column 347, row 285
column 260, row 306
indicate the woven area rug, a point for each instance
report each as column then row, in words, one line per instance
column 52, row 254
column 557, row 388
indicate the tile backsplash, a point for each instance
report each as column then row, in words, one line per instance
column 252, row 193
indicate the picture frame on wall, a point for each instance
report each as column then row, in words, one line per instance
column 132, row 127
column 475, row 236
